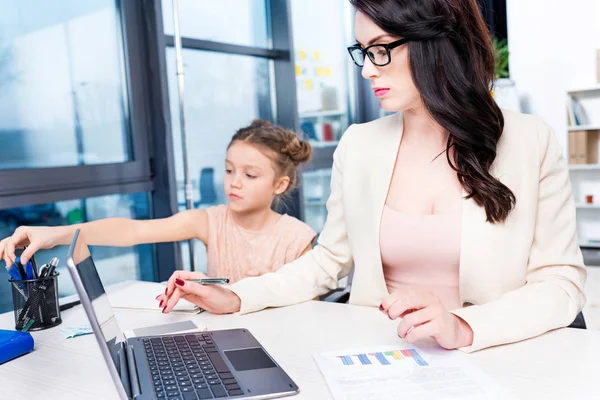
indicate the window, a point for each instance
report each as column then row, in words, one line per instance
column 322, row 66
column 223, row 92
column 114, row 264
column 239, row 22
column 62, row 97
column 325, row 85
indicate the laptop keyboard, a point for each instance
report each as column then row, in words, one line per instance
column 188, row 368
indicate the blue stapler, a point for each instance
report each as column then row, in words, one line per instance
column 14, row 344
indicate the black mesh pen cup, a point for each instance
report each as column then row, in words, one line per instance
column 35, row 303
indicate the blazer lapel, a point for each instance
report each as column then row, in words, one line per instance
column 473, row 225
column 382, row 169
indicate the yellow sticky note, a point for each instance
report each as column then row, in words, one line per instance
column 320, row 71
column 298, row 70
column 327, row 71
column 302, row 54
column 317, row 56
column 309, row 84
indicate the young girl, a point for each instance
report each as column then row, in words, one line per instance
column 243, row 238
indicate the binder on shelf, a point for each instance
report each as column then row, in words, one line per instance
column 585, row 145
column 572, row 149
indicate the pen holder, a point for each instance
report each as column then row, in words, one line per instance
column 35, row 303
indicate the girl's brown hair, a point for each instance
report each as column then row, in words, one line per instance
column 286, row 148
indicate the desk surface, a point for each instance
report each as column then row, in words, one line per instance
column 562, row 364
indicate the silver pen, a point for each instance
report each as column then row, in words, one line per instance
column 209, row 281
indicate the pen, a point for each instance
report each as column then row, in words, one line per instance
column 20, row 268
column 209, row 281
column 51, row 267
column 35, row 268
column 66, row 306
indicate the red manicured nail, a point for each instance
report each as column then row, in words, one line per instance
column 161, row 303
column 156, row 298
column 166, row 289
column 390, row 317
column 179, row 282
column 381, row 307
column 164, row 309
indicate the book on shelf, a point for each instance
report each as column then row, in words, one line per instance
column 570, row 114
column 576, row 114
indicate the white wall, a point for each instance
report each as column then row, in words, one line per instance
column 552, row 46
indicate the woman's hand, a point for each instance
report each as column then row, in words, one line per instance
column 35, row 238
column 423, row 316
column 216, row 299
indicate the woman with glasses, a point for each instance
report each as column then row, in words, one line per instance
column 456, row 216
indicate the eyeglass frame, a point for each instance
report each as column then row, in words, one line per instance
column 365, row 51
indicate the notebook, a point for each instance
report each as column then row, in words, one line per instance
column 142, row 296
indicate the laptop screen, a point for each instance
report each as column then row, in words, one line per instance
column 92, row 284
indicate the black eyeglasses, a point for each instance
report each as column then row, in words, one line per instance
column 379, row 54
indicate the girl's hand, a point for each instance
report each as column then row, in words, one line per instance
column 216, row 299
column 34, row 237
column 423, row 315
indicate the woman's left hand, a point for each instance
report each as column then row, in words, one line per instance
column 423, row 315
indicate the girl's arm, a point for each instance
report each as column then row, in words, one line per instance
column 121, row 232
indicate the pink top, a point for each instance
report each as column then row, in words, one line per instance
column 235, row 253
column 422, row 251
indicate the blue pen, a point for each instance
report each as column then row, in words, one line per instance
column 29, row 271
column 14, row 273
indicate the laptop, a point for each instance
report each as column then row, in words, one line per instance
column 225, row 364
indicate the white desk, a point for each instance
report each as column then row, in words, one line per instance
column 563, row 364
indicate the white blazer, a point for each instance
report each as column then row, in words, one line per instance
column 518, row 279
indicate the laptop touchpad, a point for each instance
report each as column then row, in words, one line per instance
column 249, row 359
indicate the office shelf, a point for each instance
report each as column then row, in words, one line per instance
column 590, row 89
column 589, row 244
column 588, row 206
column 318, row 114
column 324, row 145
column 584, row 128
column 584, row 167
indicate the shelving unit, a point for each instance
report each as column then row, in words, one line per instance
column 317, row 120
column 585, row 178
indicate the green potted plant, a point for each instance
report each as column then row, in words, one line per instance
column 501, row 48
column 505, row 92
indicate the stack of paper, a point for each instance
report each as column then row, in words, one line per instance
column 405, row 372
column 142, row 296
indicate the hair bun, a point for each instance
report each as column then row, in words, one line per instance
column 298, row 150
column 260, row 123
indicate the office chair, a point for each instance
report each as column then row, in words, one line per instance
column 579, row 322
column 206, row 185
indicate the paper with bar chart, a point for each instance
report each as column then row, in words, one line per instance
column 405, row 372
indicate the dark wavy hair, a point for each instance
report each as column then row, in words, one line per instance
column 452, row 60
